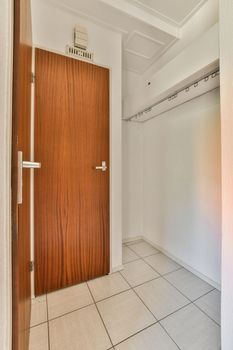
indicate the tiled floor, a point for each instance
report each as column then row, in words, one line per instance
column 153, row 303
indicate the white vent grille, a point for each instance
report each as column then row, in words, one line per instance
column 85, row 55
column 80, row 38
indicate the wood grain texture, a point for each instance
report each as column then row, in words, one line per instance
column 71, row 197
column 21, row 297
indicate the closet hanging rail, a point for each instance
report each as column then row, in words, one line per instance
column 171, row 97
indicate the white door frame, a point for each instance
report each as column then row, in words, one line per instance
column 6, row 70
column 226, row 82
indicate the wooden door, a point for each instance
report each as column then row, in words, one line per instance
column 21, row 142
column 72, row 197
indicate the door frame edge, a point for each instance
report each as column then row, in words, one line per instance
column 6, row 71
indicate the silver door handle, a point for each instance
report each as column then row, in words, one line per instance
column 31, row 165
column 102, row 167
column 23, row 164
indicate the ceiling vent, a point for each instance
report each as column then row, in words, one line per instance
column 78, row 53
column 80, row 37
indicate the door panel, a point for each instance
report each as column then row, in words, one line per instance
column 21, row 292
column 72, row 197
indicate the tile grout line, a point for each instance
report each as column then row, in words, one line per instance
column 167, row 280
column 206, row 313
column 180, row 268
column 83, row 307
column 132, row 288
column 158, row 252
column 146, row 256
column 168, row 273
column 138, row 332
column 38, row 324
column 169, row 335
column 135, row 252
column 112, row 345
column 204, row 295
column 69, row 312
column 172, row 313
column 141, row 284
column 182, row 307
column 97, row 301
column 162, row 276
column 191, row 301
column 113, row 295
column 142, row 301
column 157, row 321
column 47, row 307
column 128, row 262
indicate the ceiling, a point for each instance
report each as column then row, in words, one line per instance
column 148, row 27
column 173, row 11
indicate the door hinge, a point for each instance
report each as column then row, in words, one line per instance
column 32, row 266
column 33, row 78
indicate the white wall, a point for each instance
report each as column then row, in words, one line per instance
column 176, row 199
column 53, row 29
column 6, row 39
column 182, row 184
column 130, row 82
column 226, row 55
column 132, row 180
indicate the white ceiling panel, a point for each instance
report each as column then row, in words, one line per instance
column 174, row 10
column 143, row 45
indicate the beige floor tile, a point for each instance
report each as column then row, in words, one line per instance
column 39, row 337
column 162, row 263
column 107, row 286
column 128, row 255
column 152, row 338
column 124, row 315
column 38, row 310
column 161, row 298
column 82, row 329
column 211, row 305
column 138, row 272
column 191, row 329
column 68, row 299
column 189, row 284
column 143, row 249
